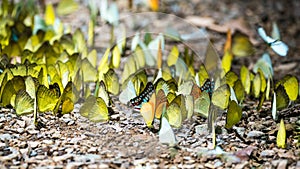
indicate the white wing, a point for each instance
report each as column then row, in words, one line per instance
column 264, row 36
column 275, row 31
column 274, row 109
column 232, row 95
column 159, row 75
column 166, row 134
column 280, row 48
column 262, row 33
column 128, row 93
column 150, row 60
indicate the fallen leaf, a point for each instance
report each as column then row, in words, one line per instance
column 286, row 67
column 238, row 24
column 244, row 154
column 200, row 21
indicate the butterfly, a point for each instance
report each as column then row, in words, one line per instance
column 139, row 80
column 154, row 108
column 175, row 111
column 25, row 102
column 291, row 86
column 234, row 114
column 101, row 91
column 241, row 45
column 147, row 110
column 128, row 93
column 278, row 46
column 47, row 98
column 166, row 134
column 95, row 109
column 286, row 90
column 202, row 97
column 67, row 99
column 191, row 88
column 109, row 13
column 265, row 64
column 111, row 81
column 144, row 96
column 10, row 88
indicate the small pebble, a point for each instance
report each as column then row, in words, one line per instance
column 33, row 144
column 255, row 134
column 282, row 164
column 267, row 153
column 4, row 137
column 21, row 123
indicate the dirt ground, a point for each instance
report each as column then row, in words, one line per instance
column 125, row 142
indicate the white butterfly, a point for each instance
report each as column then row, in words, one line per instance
column 278, row 46
column 109, row 13
column 265, row 65
column 274, row 109
column 166, row 134
column 127, row 93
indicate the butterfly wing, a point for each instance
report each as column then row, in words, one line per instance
column 174, row 115
column 161, row 102
column 274, row 109
column 94, row 109
column 202, row 105
column 46, row 99
column 234, row 114
column 147, row 111
column 144, row 96
column 279, row 47
column 166, row 134
column 127, row 94
column 282, row 99
column 291, row 86
column 262, row 34
column 24, row 104
column 103, row 93
column 112, row 82
column 98, row 111
column 220, row 97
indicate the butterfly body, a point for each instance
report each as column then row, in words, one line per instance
column 144, row 96
column 208, row 86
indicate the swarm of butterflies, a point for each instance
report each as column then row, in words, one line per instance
column 46, row 68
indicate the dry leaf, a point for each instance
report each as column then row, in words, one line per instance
column 238, row 24
column 200, row 21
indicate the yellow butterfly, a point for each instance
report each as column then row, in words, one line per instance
column 67, row 100
column 95, row 109
column 9, row 90
column 25, row 102
column 173, row 113
column 241, row 46
column 291, row 86
column 139, row 80
column 112, row 82
column 47, row 98
column 101, row 91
